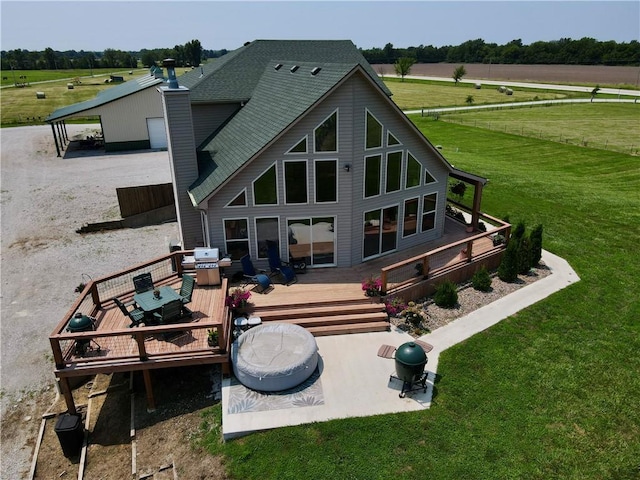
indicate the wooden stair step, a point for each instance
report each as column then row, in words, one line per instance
column 349, row 328
column 322, row 303
column 331, row 320
column 322, row 311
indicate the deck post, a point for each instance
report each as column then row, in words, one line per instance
column 142, row 350
column 469, row 250
column 425, row 266
column 148, row 386
column 67, row 394
column 383, row 282
column 94, row 295
column 57, row 353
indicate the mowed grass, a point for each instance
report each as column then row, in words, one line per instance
column 551, row 392
column 613, row 126
column 417, row 94
column 20, row 106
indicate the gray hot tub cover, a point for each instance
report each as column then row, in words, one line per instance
column 274, row 357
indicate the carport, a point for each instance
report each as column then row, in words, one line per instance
column 130, row 117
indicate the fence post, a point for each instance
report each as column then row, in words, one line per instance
column 425, row 266
column 383, row 282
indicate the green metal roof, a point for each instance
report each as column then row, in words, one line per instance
column 278, row 100
column 234, row 76
column 106, row 96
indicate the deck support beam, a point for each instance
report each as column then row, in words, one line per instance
column 148, row 386
column 65, row 387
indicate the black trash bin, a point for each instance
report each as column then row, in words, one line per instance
column 70, row 434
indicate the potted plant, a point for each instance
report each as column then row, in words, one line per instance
column 372, row 286
column 237, row 299
column 212, row 337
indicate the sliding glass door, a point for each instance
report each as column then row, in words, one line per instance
column 313, row 239
column 380, row 231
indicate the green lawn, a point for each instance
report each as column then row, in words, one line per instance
column 610, row 126
column 551, row 392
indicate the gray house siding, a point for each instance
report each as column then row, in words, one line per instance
column 184, row 165
column 208, row 118
column 350, row 100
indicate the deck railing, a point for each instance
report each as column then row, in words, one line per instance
column 97, row 293
column 450, row 258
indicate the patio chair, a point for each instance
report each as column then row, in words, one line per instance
column 136, row 315
column 186, row 292
column 143, row 282
column 250, row 275
column 277, row 266
column 170, row 312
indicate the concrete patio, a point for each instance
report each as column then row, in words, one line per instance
column 355, row 382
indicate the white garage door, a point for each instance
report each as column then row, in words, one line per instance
column 157, row 133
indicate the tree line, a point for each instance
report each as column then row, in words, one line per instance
column 189, row 54
column 586, row 51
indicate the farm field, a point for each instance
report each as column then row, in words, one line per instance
column 623, row 77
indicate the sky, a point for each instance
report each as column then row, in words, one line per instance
column 136, row 25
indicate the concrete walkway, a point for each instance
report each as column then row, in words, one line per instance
column 355, row 382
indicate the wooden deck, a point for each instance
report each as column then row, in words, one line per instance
column 325, row 300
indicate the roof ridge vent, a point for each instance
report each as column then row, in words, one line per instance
column 315, row 70
column 278, row 66
column 294, row 68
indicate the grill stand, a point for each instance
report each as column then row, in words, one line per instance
column 411, row 386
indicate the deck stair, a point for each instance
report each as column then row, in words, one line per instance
column 329, row 317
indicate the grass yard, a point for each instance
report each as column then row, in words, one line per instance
column 416, row 94
column 9, row 77
column 551, row 392
column 21, row 107
column 608, row 126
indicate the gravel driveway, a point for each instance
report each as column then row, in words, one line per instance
column 44, row 200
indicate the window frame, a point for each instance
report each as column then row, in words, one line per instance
column 404, row 216
column 257, row 239
column 364, row 182
column 424, row 213
column 246, row 203
column 315, row 145
column 306, row 179
column 368, row 112
column 227, row 240
column 386, row 178
column 253, row 187
column 315, row 180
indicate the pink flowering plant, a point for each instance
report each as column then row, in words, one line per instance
column 372, row 286
column 394, row 306
column 237, row 298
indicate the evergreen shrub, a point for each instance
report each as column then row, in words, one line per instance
column 481, row 280
column 446, row 295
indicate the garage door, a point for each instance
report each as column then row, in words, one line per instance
column 157, row 133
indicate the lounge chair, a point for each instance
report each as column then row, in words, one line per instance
column 136, row 315
column 278, row 267
column 143, row 282
column 250, row 275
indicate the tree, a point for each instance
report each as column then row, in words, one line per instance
column 458, row 73
column 508, row 269
column 193, row 52
column 594, row 92
column 403, row 66
column 469, row 100
column 536, row 245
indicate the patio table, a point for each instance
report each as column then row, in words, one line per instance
column 149, row 303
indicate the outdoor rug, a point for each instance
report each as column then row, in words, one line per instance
column 307, row 394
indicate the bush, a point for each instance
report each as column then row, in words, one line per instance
column 536, row 245
column 394, row 306
column 508, row 269
column 518, row 231
column 481, row 280
column 524, row 255
column 446, row 295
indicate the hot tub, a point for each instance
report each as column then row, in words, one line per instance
column 274, row 357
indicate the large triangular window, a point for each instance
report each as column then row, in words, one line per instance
column 326, row 134
column 239, row 201
column 265, row 189
column 300, row 147
column 414, row 170
column 373, row 132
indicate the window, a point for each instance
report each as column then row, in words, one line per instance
column 373, row 132
column 429, row 212
column 413, row 172
column 326, row 134
column 240, row 200
column 236, row 236
column 392, row 140
column 295, row 181
column 267, row 230
column 372, row 175
column 265, row 190
column 300, row 147
column 326, row 181
column 380, row 231
column 428, row 178
column 410, row 224
column 394, row 171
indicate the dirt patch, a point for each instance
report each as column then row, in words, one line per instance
column 157, row 444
